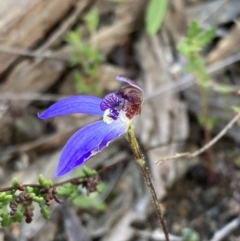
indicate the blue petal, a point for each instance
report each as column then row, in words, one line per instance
column 118, row 129
column 84, row 104
column 82, row 145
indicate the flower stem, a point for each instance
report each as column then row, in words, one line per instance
column 130, row 136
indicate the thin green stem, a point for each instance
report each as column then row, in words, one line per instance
column 130, row 136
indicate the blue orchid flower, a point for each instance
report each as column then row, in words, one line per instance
column 117, row 111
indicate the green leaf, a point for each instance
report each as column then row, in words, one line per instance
column 188, row 47
column 236, row 109
column 2, row 196
column 49, row 183
column 18, row 217
column 206, row 37
column 195, row 40
column 6, row 220
column 91, row 201
column 41, row 180
column 7, row 198
column 87, row 202
column 44, row 209
column 193, row 29
column 88, row 172
column 44, row 182
column 36, row 198
column 212, row 122
column 102, row 186
column 29, row 189
column 154, row 15
column 66, row 190
column 15, row 182
column 92, row 20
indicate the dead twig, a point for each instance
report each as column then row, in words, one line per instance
column 226, row 230
column 28, row 53
column 205, row 147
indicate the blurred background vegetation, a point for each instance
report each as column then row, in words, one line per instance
column 185, row 55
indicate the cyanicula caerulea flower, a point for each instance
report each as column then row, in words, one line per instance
column 117, row 111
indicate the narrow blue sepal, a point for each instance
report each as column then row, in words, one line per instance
column 84, row 104
column 87, row 142
column 81, row 146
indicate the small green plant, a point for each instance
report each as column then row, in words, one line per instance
column 191, row 47
column 86, row 56
column 18, row 202
column 154, row 15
